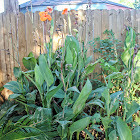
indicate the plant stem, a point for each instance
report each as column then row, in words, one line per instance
column 78, row 135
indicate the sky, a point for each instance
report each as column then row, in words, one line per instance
column 22, row 1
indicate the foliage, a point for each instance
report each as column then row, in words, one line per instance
column 108, row 47
column 137, row 4
column 53, row 93
column 125, row 2
column 54, row 99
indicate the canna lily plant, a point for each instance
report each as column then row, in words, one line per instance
column 54, row 98
column 53, row 92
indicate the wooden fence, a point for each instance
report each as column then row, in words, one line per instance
column 28, row 35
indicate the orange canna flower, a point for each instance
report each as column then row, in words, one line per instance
column 44, row 16
column 42, row 13
column 65, row 11
column 49, row 17
column 49, row 9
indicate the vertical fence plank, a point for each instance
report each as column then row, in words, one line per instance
column 81, row 26
column 74, row 21
column 11, row 52
column 127, row 22
column 40, row 32
column 36, row 34
column 127, row 18
column 29, row 33
column 133, row 18
column 3, row 77
column 89, row 35
column 113, row 21
column 97, row 33
column 54, row 15
column 22, row 38
column 59, row 30
column 120, row 26
column 14, row 38
column 134, row 22
column 105, row 22
column 7, row 38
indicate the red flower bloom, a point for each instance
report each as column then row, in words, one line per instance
column 49, row 9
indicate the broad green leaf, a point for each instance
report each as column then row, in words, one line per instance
column 72, row 43
column 137, row 119
column 96, row 118
column 106, row 121
column 68, row 114
column 88, row 60
column 89, row 134
column 115, row 95
column 62, row 132
column 29, row 62
column 97, row 91
column 96, row 127
column 8, row 112
column 69, row 56
column 136, row 133
column 123, row 130
column 89, row 69
column 95, row 102
column 38, row 76
column 137, row 64
column 137, row 75
column 17, row 96
column 17, row 72
column 114, row 75
column 59, row 94
column 52, row 92
column 21, row 133
column 64, row 123
column 137, row 60
column 14, row 96
column 114, row 106
column 42, row 114
column 14, row 86
column 46, row 72
column 80, row 102
column 113, row 135
column 74, row 88
column 107, row 98
column 130, row 40
column 31, row 97
column 80, row 63
column 126, row 56
column 79, row 125
column 134, row 107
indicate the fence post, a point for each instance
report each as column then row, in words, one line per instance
column 11, row 6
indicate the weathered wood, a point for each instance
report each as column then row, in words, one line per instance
column 105, row 22
column 120, row 26
column 3, row 78
column 22, row 50
column 11, row 6
column 7, row 43
column 113, row 21
column 14, row 38
column 29, row 33
column 97, row 33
